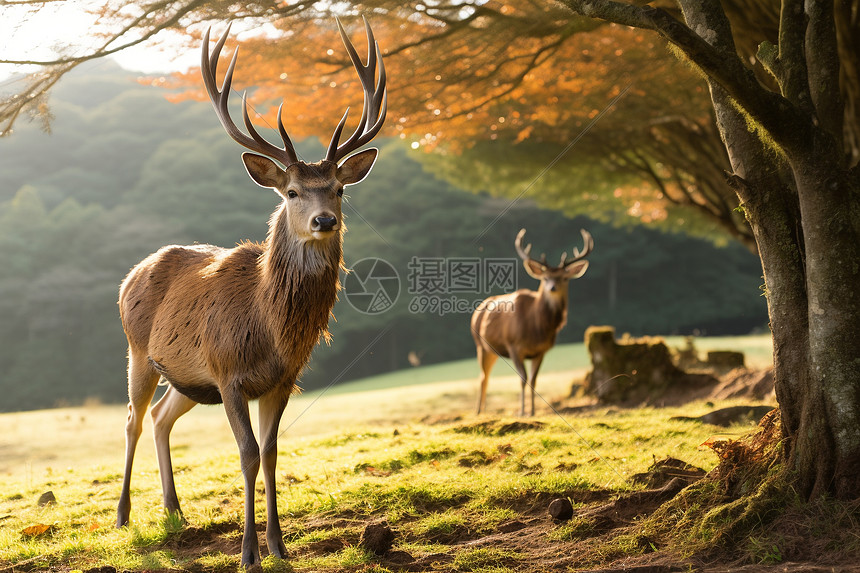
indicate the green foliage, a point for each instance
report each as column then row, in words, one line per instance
column 126, row 172
column 444, row 523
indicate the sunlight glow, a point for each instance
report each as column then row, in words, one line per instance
column 68, row 28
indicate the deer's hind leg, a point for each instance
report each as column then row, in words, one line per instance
column 536, row 362
column 164, row 414
column 486, row 359
column 142, row 381
column 520, row 366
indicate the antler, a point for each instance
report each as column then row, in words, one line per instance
column 373, row 114
column 375, row 98
column 577, row 255
column 588, row 245
column 208, row 67
column 524, row 252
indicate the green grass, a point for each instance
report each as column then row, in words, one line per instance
column 417, row 480
column 350, row 458
column 484, row 559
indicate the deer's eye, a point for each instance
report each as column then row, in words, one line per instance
column 292, row 194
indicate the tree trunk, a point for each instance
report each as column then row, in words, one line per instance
column 800, row 209
column 791, row 154
column 803, row 209
column 826, row 443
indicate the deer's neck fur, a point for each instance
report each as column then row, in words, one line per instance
column 299, row 285
column 552, row 310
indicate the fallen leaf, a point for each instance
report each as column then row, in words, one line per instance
column 376, row 472
column 37, row 530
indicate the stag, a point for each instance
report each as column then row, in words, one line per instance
column 523, row 325
column 232, row 325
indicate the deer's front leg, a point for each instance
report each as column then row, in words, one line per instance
column 236, row 408
column 271, row 409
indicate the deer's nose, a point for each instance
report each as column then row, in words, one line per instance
column 324, row 223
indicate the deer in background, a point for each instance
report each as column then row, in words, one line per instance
column 233, row 325
column 523, row 325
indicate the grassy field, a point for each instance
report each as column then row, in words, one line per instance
column 404, row 447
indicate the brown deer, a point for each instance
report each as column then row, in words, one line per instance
column 523, row 325
column 233, row 325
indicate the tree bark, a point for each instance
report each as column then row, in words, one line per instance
column 829, row 209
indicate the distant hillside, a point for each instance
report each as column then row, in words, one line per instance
column 124, row 172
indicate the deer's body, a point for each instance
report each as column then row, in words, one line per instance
column 523, row 325
column 528, row 334
column 201, row 313
column 233, row 325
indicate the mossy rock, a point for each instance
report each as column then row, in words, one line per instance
column 634, row 371
column 725, row 359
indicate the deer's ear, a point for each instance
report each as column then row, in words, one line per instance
column 576, row 270
column 264, row 171
column 534, row 268
column 356, row 167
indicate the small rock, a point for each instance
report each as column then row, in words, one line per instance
column 47, row 498
column 377, row 538
column 561, row 509
column 725, row 417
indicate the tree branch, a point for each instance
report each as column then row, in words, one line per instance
column 790, row 65
column 785, row 123
column 822, row 58
column 104, row 50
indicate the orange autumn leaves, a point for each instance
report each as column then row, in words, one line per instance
column 484, row 81
column 529, row 73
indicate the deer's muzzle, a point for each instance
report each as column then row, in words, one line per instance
column 324, row 223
